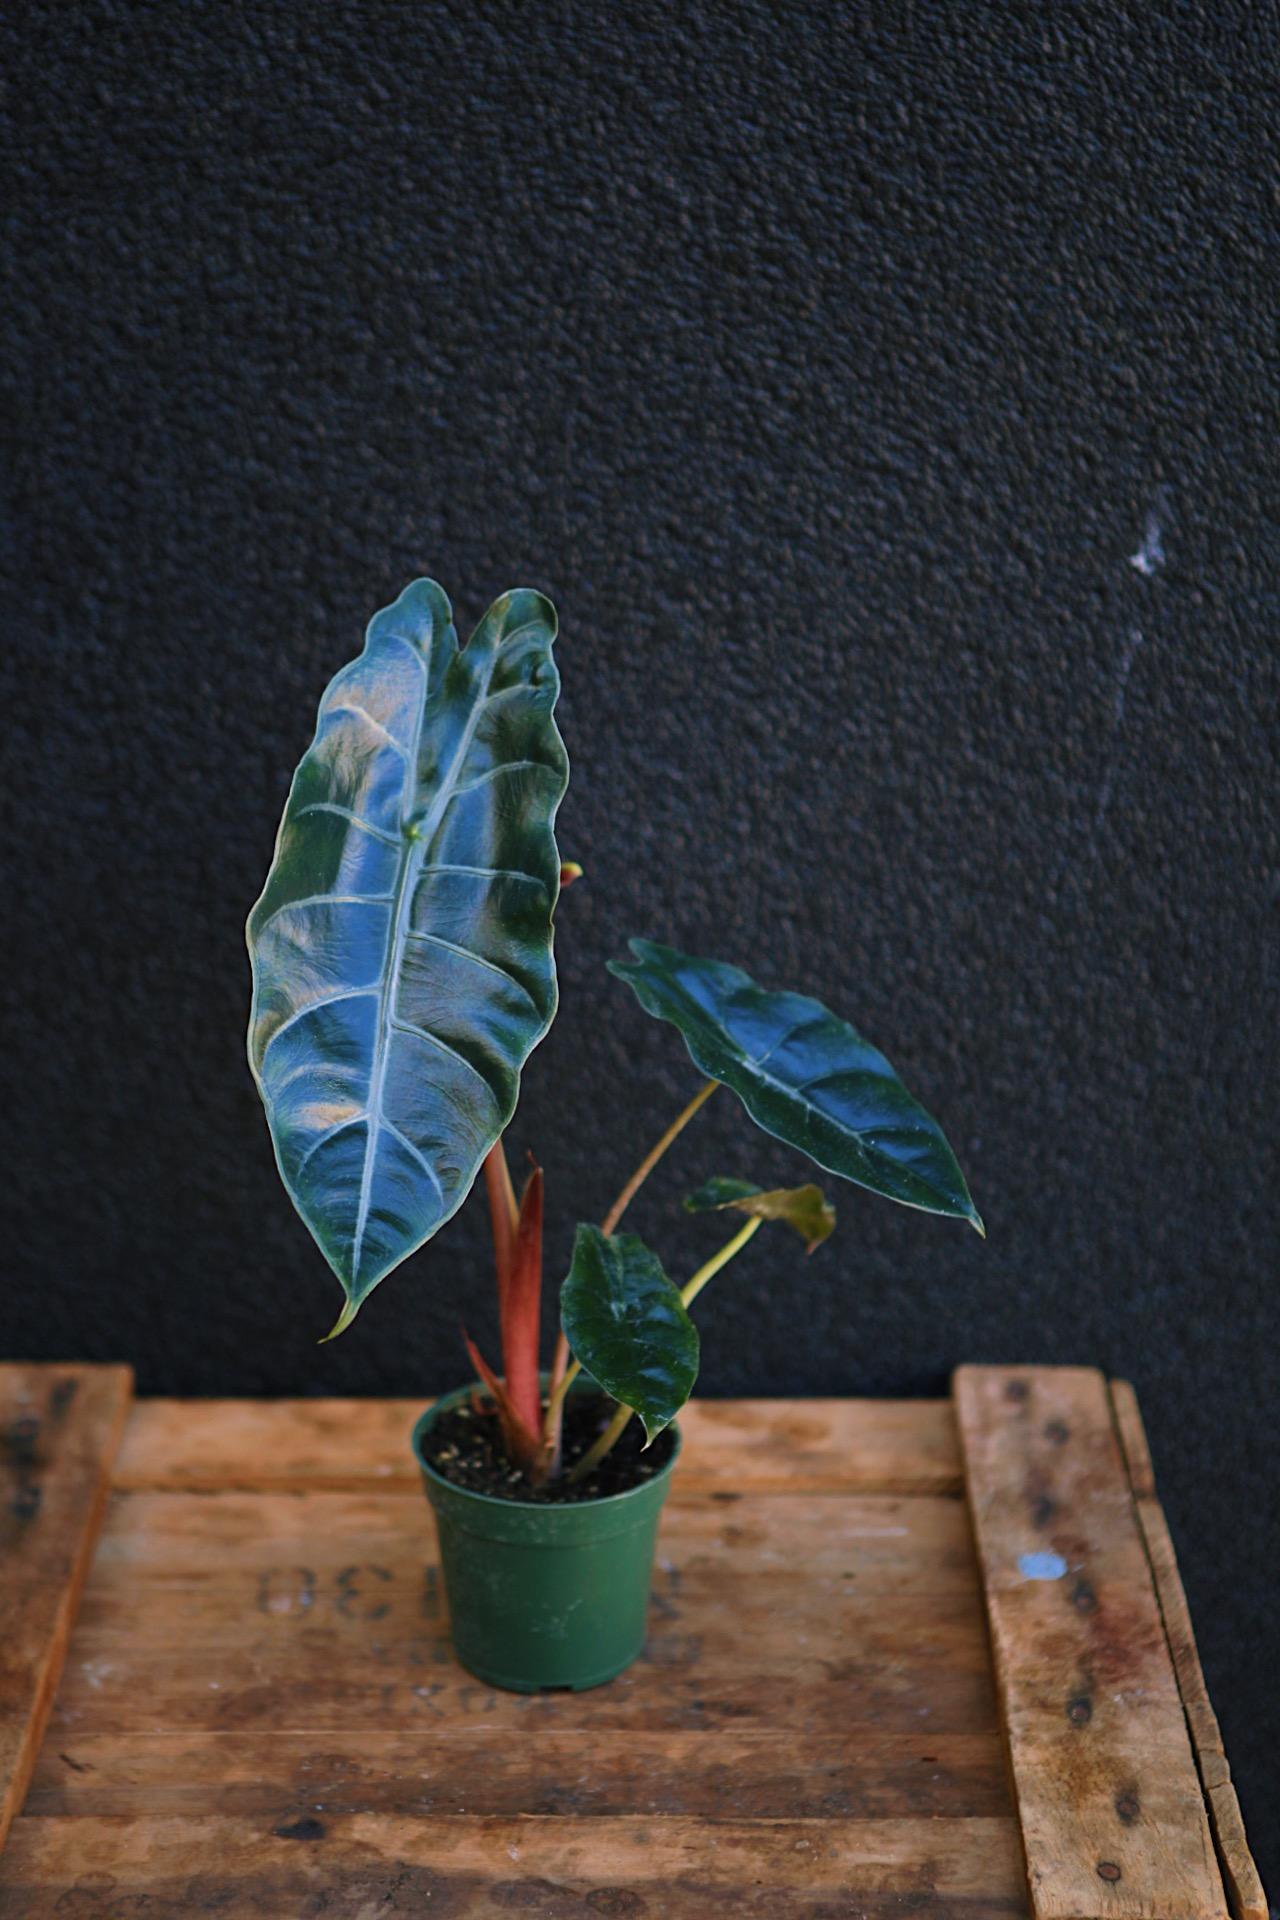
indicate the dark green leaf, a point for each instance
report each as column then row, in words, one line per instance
column 804, row 1076
column 627, row 1326
column 402, row 960
column 802, row 1208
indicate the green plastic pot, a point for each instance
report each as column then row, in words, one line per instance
column 543, row 1595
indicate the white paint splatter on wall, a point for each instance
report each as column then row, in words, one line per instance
column 1150, row 555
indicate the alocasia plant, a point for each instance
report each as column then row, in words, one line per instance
column 403, row 971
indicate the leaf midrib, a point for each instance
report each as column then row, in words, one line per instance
column 398, row 933
column 754, row 1068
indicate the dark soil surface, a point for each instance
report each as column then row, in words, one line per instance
column 465, row 1447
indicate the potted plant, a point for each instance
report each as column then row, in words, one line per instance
column 403, row 970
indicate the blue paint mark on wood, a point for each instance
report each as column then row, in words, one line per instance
column 1041, row 1566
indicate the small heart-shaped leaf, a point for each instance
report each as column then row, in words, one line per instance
column 628, row 1327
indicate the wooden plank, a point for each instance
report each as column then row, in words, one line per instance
column 323, row 1612
column 59, row 1428
column 1133, row 1440
column 1113, row 1820
column 809, row 1446
column 681, row 1682
column 261, row 1713
column 812, row 1723
column 397, row 1599
column 730, row 1774
column 1201, row 1719
column 1243, row 1887
column 364, row 1866
column 882, row 1543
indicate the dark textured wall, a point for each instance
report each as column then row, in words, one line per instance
column 889, row 408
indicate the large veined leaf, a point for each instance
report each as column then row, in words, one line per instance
column 628, row 1326
column 804, row 1209
column 402, row 946
column 804, row 1076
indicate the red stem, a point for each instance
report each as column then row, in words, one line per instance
column 503, row 1214
column 524, row 1446
column 522, row 1309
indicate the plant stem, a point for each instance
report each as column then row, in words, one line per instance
column 653, row 1156
column 550, row 1426
column 555, row 1405
column 503, row 1212
column 563, row 1370
column 595, row 1454
column 688, row 1293
column 692, row 1288
column 522, row 1310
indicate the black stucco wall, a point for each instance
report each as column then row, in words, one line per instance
column 889, row 409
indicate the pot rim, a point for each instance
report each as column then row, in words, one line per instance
column 598, row 1503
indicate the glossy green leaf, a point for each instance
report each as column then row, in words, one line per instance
column 402, row 946
column 804, row 1076
column 803, row 1209
column 628, row 1327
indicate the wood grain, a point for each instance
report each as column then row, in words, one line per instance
column 801, row 1446
column 1243, row 1887
column 324, row 1612
column 474, row 1767
column 1113, row 1817
column 260, row 1712
column 307, row 1863
column 59, row 1428
column 1133, row 1440
column 882, row 1542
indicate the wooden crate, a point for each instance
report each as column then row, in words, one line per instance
column 906, row 1658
